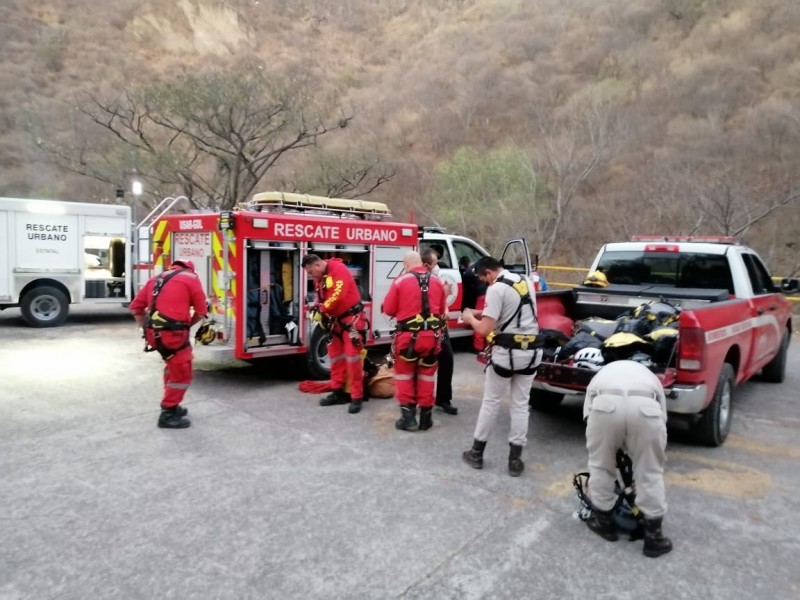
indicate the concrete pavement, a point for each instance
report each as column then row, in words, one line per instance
column 268, row 495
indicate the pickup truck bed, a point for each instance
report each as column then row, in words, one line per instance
column 723, row 330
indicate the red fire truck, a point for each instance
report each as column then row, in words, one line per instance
column 249, row 262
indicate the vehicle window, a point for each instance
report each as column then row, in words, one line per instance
column 686, row 270
column 466, row 253
column 440, row 247
column 758, row 274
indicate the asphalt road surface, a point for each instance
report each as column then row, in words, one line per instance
column 268, row 495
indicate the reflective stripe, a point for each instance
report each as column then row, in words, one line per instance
column 353, row 358
column 337, row 358
column 426, row 377
column 403, row 376
column 178, row 386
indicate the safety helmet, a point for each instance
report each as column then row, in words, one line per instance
column 577, row 342
column 661, row 313
column 589, row 358
column 621, row 346
column 599, row 328
column 663, row 340
column 186, row 264
column 621, row 339
column 596, row 279
column 205, row 334
column 640, row 326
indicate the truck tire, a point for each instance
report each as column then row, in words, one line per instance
column 715, row 422
column 545, row 401
column 775, row 370
column 44, row 306
column 319, row 365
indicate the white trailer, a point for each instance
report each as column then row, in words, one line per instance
column 54, row 253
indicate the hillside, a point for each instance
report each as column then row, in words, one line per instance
column 686, row 110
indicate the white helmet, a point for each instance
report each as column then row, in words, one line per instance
column 589, row 358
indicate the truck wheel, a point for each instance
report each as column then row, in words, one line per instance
column 545, row 401
column 715, row 422
column 319, row 365
column 44, row 306
column 775, row 371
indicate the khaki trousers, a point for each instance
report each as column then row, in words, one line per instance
column 496, row 388
column 637, row 425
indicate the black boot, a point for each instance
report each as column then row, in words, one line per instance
column 171, row 418
column 337, row 396
column 655, row 544
column 408, row 418
column 425, row 418
column 181, row 410
column 515, row 464
column 447, row 407
column 603, row 525
column 355, row 406
column 474, row 456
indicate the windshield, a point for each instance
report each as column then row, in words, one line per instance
column 671, row 269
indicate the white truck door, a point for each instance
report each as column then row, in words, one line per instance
column 387, row 265
column 516, row 257
column 5, row 267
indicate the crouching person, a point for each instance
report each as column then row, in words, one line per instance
column 417, row 300
column 625, row 409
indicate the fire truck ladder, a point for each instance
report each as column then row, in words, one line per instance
column 286, row 202
column 141, row 233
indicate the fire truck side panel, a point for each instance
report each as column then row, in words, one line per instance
column 387, row 265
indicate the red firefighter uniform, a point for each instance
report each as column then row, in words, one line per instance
column 179, row 293
column 415, row 379
column 340, row 299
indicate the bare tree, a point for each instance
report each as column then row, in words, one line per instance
column 568, row 151
column 212, row 135
column 349, row 172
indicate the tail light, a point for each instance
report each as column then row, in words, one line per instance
column 692, row 349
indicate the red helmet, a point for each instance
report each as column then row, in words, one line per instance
column 186, row 264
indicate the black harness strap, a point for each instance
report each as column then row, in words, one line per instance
column 525, row 299
column 158, row 322
column 423, row 321
column 516, row 341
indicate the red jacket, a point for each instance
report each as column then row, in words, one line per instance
column 177, row 296
column 404, row 299
column 337, row 290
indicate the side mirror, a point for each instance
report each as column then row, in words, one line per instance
column 790, row 285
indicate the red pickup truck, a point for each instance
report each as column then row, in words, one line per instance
column 732, row 323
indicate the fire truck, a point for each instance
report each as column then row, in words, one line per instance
column 248, row 260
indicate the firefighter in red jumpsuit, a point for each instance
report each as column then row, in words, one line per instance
column 341, row 311
column 418, row 301
column 166, row 307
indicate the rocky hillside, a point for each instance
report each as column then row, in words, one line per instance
column 648, row 116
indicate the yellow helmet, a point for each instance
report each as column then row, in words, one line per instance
column 596, row 279
column 205, row 334
column 623, row 339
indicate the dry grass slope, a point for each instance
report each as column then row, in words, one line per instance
column 708, row 89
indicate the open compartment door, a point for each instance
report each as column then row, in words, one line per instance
column 516, row 257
